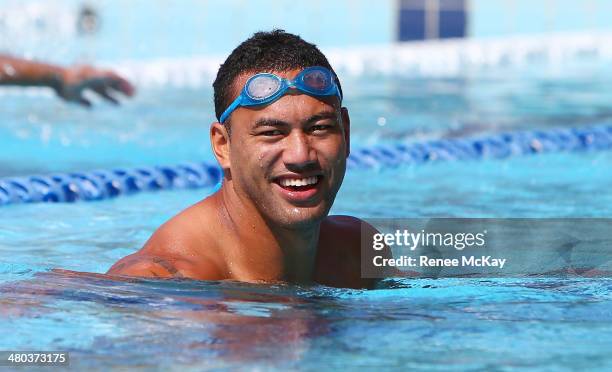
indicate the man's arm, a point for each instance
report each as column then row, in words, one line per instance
column 170, row 254
column 14, row 71
column 69, row 83
column 146, row 266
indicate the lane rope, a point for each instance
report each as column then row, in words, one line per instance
column 105, row 184
column 497, row 146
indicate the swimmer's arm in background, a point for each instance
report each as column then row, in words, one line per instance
column 68, row 82
column 15, row 71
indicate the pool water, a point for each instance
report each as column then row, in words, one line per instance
column 415, row 324
column 542, row 323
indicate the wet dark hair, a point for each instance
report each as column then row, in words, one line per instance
column 276, row 50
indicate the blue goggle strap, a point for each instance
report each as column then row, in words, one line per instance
column 231, row 108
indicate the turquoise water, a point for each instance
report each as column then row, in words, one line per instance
column 544, row 323
column 416, row 324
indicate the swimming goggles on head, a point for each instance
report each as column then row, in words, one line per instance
column 265, row 88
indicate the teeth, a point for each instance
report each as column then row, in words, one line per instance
column 298, row 182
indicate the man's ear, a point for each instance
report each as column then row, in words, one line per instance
column 346, row 123
column 220, row 141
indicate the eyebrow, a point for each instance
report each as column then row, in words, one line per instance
column 271, row 122
column 322, row 116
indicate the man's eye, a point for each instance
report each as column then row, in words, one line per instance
column 320, row 128
column 271, row 133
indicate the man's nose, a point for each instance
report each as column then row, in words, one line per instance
column 298, row 153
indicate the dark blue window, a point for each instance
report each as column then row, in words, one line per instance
column 412, row 24
column 452, row 24
column 431, row 19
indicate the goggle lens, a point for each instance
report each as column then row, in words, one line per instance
column 266, row 87
column 262, row 87
column 317, row 80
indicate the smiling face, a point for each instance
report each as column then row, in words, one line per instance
column 288, row 158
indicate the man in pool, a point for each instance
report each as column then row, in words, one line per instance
column 282, row 140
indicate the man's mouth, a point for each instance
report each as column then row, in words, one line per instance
column 299, row 184
column 299, row 188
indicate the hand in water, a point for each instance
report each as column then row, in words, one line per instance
column 73, row 81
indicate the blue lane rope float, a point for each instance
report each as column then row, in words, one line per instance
column 104, row 184
column 497, row 146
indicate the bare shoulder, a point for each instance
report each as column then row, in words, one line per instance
column 181, row 247
column 344, row 234
column 339, row 253
column 347, row 226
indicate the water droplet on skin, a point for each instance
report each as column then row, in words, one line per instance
column 259, row 159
